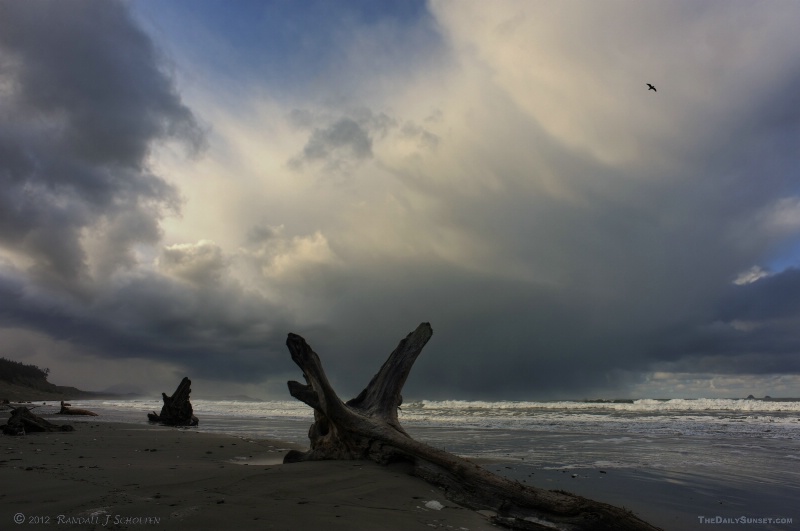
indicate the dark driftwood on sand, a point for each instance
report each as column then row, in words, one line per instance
column 367, row 427
column 66, row 409
column 177, row 410
column 22, row 421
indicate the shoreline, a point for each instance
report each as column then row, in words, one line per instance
column 129, row 476
column 599, row 468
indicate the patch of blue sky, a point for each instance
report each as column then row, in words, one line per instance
column 788, row 257
column 285, row 44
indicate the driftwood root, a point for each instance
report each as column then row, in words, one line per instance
column 66, row 409
column 22, row 421
column 177, row 410
column 367, row 427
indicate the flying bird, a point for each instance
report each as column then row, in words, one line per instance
column 651, row 87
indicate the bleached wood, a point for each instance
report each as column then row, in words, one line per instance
column 367, row 427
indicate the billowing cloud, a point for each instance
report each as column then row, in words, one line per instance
column 345, row 134
column 343, row 142
column 85, row 96
column 751, row 275
column 201, row 263
column 290, row 256
column 216, row 328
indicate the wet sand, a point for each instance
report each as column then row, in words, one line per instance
column 668, row 499
column 125, row 476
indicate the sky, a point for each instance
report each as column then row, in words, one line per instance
column 183, row 183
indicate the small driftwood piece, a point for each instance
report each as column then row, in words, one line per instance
column 22, row 421
column 177, row 410
column 367, row 427
column 66, row 409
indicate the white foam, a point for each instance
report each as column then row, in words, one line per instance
column 688, row 417
column 720, row 418
column 641, row 405
column 435, row 505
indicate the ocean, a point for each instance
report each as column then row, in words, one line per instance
column 684, row 464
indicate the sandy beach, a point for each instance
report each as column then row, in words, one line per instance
column 125, row 476
column 117, row 472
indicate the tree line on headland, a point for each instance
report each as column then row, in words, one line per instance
column 17, row 372
column 20, row 381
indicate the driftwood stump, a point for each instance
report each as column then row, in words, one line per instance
column 177, row 410
column 22, row 421
column 367, row 427
column 67, row 409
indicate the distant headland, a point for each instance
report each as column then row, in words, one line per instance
column 20, row 382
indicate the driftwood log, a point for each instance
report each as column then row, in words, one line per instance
column 22, row 421
column 66, row 409
column 367, row 427
column 177, row 410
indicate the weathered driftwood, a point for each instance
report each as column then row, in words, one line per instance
column 22, row 421
column 177, row 410
column 367, row 427
column 66, row 409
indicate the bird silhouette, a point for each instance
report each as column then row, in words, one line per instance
column 651, row 87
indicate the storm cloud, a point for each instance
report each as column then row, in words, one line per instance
column 499, row 170
column 339, row 144
column 84, row 97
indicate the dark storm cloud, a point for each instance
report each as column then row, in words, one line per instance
column 345, row 134
column 341, row 143
column 85, row 96
column 771, row 297
column 336, row 147
column 749, row 329
column 758, row 321
column 633, row 264
column 634, row 267
column 493, row 337
column 218, row 332
column 89, row 68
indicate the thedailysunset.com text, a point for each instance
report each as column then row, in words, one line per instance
column 743, row 520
